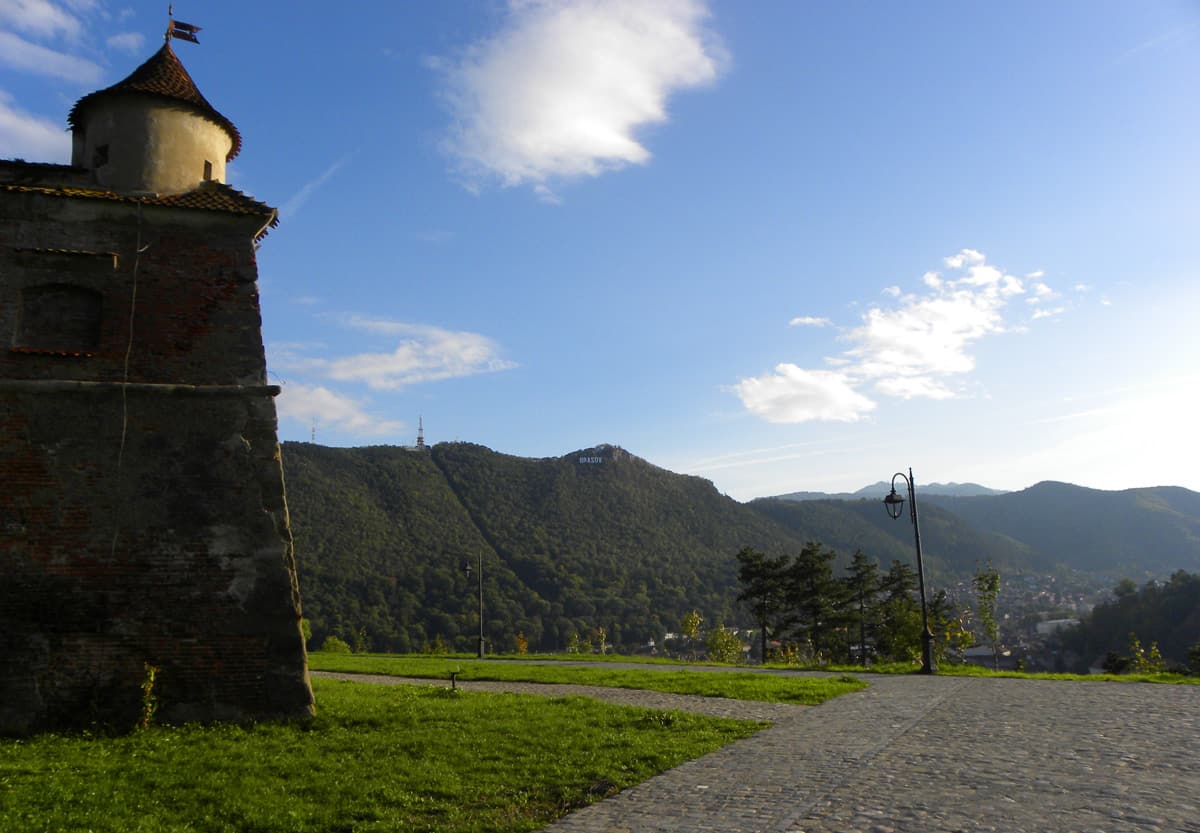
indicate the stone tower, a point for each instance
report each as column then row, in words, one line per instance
column 143, row 522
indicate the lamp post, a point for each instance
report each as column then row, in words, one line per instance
column 894, row 503
column 479, row 570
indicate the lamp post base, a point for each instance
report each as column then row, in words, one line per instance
column 928, row 666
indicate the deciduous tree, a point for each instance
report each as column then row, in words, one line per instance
column 987, row 587
column 690, row 628
column 723, row 645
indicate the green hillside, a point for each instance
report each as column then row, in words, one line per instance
column 952, row 548
column 603, row 538
column 382, row 534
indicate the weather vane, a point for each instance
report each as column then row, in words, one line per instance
column 179, row 29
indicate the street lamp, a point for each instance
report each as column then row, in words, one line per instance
column 894, row 503
column 479, row 570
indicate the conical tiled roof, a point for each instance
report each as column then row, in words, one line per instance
column 164, row 76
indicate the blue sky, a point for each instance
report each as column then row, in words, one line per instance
column 779, row 245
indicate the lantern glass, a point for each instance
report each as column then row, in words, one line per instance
column 894, row 504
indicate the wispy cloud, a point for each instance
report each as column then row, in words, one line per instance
column 1039, row 292
column 1168, row 39
column 314, row 404
column 911, row 348
column 40, row 18
column 424, row 354
column 561, row 89
column 809, row 321
column 297, row 201
column 26, row 136
column 131, row 42
column 25, row 56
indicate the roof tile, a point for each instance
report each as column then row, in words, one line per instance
column 209, row 196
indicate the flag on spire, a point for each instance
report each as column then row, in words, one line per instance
column 183, row 31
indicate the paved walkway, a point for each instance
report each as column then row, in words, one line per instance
column 924, row 755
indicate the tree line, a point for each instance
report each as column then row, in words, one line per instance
column 1154, row 627
column 805, row 614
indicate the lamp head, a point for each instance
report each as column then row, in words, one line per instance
column 894, row 504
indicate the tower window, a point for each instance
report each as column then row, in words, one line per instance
column 59, row 317
column 207, row 170
column 100, row 156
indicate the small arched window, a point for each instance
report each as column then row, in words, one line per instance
column 59, row 317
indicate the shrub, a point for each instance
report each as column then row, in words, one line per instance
column 722, row 645
column 333, row 645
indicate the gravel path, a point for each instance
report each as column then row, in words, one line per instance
column 922, row 754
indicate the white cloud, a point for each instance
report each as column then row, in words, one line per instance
column 928, row 334
column 1041, row 292
column 894, row 291
column 909, row 387
column 39, row 18
column 309, row 404
column 793, row 394
column 126, row 42
column 424, row 354
column 908, row 349
column 30, row 137
column 963, row 258
column 809, row 321
column 560, row 91
column 23, row 56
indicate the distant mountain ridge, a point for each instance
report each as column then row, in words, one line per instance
column 601, row 537
column 882, row 488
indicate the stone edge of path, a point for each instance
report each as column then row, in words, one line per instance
column 711, row 706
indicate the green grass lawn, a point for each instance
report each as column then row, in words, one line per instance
column 737, row 685
column 969, row 670
column 376, row 758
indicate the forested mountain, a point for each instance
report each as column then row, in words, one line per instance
column 1134, row 532
column 952, row 548
column 598, row 537
column 601, row 537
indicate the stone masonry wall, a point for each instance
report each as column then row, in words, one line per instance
column 141, row 523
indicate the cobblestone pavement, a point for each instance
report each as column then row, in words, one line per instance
column 925, row 754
